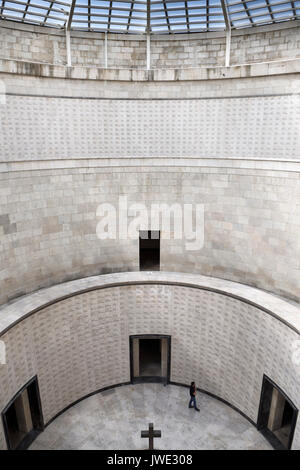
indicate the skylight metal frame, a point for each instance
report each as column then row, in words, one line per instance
column 249, row 7
column 2, row 6
column 20, row 10
column 134, row 16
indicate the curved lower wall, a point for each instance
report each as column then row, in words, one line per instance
column 81, row 344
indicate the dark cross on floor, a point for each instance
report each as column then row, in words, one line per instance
column 151, row 434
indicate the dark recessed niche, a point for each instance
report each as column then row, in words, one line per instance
column 149, row 247
column 22, row 418
column 150, row 357
column 277, row 416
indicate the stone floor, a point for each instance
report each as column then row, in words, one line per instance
column 114, row 419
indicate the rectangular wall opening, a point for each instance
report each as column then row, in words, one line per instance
column 277, row 416
column 22, row 418
column 150, row 358
column 149, row 250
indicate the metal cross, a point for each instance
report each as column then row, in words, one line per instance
column 151, row 433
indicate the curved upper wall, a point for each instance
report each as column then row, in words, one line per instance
column 260, row 44
column 57, row 112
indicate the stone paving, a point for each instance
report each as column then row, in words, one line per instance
column 114, row 419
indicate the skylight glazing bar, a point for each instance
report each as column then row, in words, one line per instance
column 247, row 11
column 183, row 23
column 48, row 13
column 112, row 15
column 136, row 2
column 32, row 13
column 263, row 22
column 187, row 16
column 35, row 5
column 13, row 18
column 258, row 15
column 130, row 15
column 99, row 7
column 256, row 7
column 167, row 16
column 174, row 9
column 293, row 8
column 109, row 17
column 183, row 15
column 112, row 23
column 26, row 8
column 181, row 1
column 163, row 16
column 2, row 6
column 270, row 10
column 239, row 2
column 226, row 14
column 148, row 23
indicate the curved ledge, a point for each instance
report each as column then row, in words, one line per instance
column 282, row 310
column 19, row 67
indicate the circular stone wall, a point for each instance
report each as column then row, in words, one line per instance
column 80, row 344
column 75, row 137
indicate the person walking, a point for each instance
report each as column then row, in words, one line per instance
column 193, row 403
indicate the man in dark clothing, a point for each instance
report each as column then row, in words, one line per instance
column 193, row 403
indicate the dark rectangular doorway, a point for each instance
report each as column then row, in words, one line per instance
column 149, row 250
column 22, row 418
column 277, row 416
column 150, row 358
